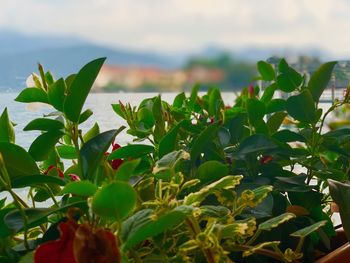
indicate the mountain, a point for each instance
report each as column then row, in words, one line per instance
column 19, row 55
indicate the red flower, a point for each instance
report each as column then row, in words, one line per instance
column 79, row 244
column 117, row 162
column 52, row 167
column 266, row 159
column 251, row 91
column 61, row 250
column 74, row 177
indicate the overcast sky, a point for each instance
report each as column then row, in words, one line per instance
column 187, row 25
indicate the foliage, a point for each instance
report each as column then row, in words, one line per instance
column 203, row 182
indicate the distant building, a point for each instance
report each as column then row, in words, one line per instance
column 138, row 78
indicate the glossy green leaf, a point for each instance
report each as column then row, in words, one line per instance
column 202, row 141
column 18, row 162
column 32, row 95
column 276, row 221
column 168, row 143
column 80, row 89
column 179, row 100
column 309, row 229
column 7, row 133
column 211, row 171
column 319, row 80
column 215, row 102
column 85, row 115
column 43, row 144
column 288, row 136
column 227, row 182
column 264, row 245
column 131, row 151
column 114, row 201
column 255, row 144
column 140, row 226
column 56, row 94
column 169, row 160
column 289, row 80
column 94, row 131
column 256, row 111
column 34, row 180
column 67, row 152
column 44, row 124
column 268, row 93
column 93, row 151
column 275, row 105
column 266, row 70
column 275, row 121
column 302, row 107
column 126, row 170
column 145, row 115
column 80, row 188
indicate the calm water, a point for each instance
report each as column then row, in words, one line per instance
column 99, row 103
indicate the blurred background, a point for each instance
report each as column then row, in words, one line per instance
column 168, row 45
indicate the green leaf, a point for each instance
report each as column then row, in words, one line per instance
column 202, row 141
column 32, row 95
column 80, row 188
column 131, row 151
column 179, row 100
column 227, row 182
column 17, row 161
column 7, row 133
column 268, row 93
column 56, row 94
column 126, row 170
column 275, row 121
column 114, row 201
column 275, row 105
column 288, row 136
column 211, row 171
column 309, row 229
column 301, row 107
column 215, row 102
column 93, row 151
column 319, row 80
column 145, row 115
column 169, row 160
column 44, row 124
column 256, row 111
column 43, row 145
column 289, row 80
column 266, row 70
column 140, row 226
column 67, row 152
column 255, row 249
column 35, row 180
column 276, row 221
column 168, row 143
column 80, row 89
column 85, row 115
column 255, row 144
column 94, row 131
column 36, row 216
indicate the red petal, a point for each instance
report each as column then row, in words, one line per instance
column 60, row 250
column 116, row 163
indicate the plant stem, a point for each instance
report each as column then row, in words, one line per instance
column 195, row 229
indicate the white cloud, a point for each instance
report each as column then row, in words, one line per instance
column 180, row 25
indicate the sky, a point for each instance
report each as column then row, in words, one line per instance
column 187, row 25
